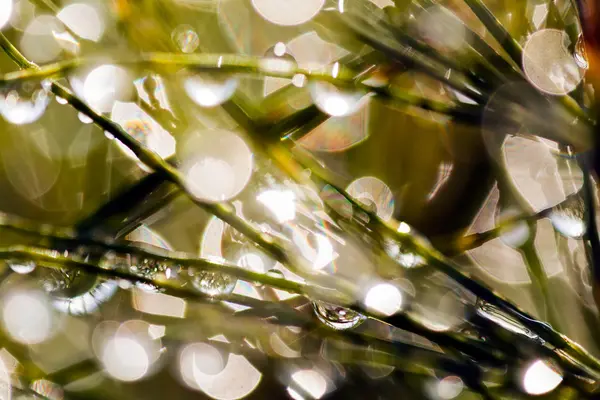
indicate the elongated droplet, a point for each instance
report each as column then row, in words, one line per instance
column 580, row 54
column 336, row 317
column 494, row 314
column 214, row 283
column 21, row 267
column 23, row 103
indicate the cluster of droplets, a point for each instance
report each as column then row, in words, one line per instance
column 139, row 266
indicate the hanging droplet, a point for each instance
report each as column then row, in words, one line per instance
column 580, row 54
column 568, row 218
column 186, row 38
column 214, row 283
column 84, row 118
column 21, row 267
column 210, row 90
column 60, row 100
column 24, row 102
column 494, row 314
column 275, row 273
column 335, row 101
column 336, row 317
column 406, row 259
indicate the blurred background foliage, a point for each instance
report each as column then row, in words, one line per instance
column 443, row 179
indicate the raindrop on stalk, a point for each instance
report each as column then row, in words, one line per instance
column 210, row 90
column 336, row 317
column 186, row 38
column 21, row 267
column 214, row 283
column 25, row 102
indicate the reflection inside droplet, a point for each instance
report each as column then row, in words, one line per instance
column 186, row 38
column 214, row 283
column 336, row 317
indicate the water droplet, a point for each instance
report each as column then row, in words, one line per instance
column 406, row 259
column 336, row 317
column 84, row 118
column 186, row 38
column 337, row 102
column 210, row 90
column 23, row 103
column 568, row 218
column 275, row 273
column 580, row 54
column 60, row 100
column 494, row 314
column 214, row 283
column 21, row 267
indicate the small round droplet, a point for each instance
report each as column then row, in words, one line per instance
column 60, row 100
column 186, row 38
column 21, row 267
column 580, row 54
column 84, row 118
column 214, row 283
column 336, row 317
column 24, row 102
column 210, row 90
column 337, row 102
